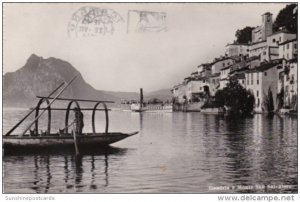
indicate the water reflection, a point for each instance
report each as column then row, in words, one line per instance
column 173, row 153
column 46, row 169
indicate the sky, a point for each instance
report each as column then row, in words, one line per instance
column 119, row 61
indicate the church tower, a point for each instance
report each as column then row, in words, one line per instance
column 266, row 26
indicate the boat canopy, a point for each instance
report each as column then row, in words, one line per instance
column 71, row 101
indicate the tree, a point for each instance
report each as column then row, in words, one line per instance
column 244, row 35
column 268, row 101
column 280, row 99
column 234, row 96
column 287, row 18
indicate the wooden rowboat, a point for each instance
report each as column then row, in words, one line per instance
column 64, row 139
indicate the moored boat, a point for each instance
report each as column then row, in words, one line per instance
column 63, row 139
column 154, row 107
column 151, row 108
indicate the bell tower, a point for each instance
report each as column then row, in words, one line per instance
column 266, row 27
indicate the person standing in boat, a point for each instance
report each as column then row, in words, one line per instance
column 79, row 124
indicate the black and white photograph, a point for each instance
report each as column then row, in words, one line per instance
column 150, row 98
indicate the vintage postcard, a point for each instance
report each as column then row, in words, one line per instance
column 150, row 98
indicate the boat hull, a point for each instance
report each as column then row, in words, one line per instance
column 152, row 108
column 54, row 141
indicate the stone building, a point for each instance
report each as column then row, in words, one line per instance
column 260, row 33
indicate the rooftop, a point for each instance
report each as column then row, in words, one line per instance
column 288, row 41
column 282, row 31
column 204, row 65
column 244, row 69
column 265, row 66
column 221, row 59
column 237, row 44
column 258, row 42
column 215, row 75
column 238, row 76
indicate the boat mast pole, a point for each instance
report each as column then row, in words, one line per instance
column 17, row 125
column 62, row 90
column 141, row 99
column 75, row 140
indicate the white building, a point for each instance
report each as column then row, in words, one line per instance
column 259, row 80
column 288, row 49
column 288, row 84
column 237, row 50
column 204, row 70
column 179, row 92
column 214, row 83
column 224, row 78
column 196, row 89
column 259, row 49
column 221, row 63
column 279, row 37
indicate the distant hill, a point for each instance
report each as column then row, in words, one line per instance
column 40, row 76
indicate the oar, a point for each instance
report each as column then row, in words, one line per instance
column 62, row 90
column 17, row 125
column 75, row 141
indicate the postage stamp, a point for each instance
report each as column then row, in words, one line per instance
column 93, row 21
column 146, row 21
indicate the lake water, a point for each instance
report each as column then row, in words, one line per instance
column 173, row 153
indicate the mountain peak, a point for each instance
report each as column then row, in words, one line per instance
column 32, row 62
column 34, row 57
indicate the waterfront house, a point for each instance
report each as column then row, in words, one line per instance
column 224, row 77
column 260, row 81
column 196, row 89
column 214, row 83
column 288, row 85
column 240, row 77
column 179, row 93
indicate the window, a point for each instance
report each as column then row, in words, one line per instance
column 257, row 93
column 247, row 82
column 243, row 81
column 251, row 82
column 295, row 46
column 274, row 40
column 287, row 46
column 265, row 73
column 257, row 81
column 279, row 38
column 223, row 64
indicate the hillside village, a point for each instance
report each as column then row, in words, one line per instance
column 266, row 66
